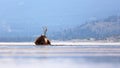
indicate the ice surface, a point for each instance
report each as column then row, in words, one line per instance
column 13, row 55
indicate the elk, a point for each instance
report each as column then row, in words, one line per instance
column 43, row 40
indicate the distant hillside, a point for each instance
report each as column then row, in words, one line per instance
column 100, row 29
column 105, row 29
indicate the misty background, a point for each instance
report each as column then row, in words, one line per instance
column 22, row 20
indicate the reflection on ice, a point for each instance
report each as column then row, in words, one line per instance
column 58, row 63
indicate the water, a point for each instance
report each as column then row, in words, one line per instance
column 80, row 56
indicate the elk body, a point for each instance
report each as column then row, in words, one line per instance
column 42, row 40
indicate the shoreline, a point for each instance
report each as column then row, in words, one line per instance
column 62, row 43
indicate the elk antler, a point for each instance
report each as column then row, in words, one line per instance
column 45, row 30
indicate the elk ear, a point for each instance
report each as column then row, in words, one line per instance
column 48, row 42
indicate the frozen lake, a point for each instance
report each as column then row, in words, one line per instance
column 64, row 56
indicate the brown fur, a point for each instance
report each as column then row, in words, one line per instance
column 42, row 40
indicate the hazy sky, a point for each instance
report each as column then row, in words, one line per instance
column 54, row 13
